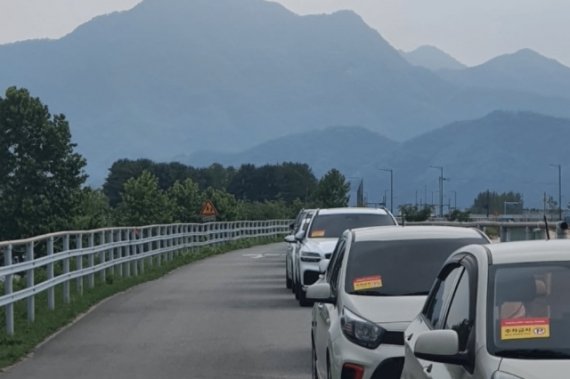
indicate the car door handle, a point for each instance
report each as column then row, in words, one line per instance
column 428, row 368
column 409, row 336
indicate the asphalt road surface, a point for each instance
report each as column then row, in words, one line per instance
column 226, row 316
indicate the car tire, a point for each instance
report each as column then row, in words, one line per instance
column 296, row 289
column 303, row 301
column 329, row 374
column 315, row 375
column 288, row 283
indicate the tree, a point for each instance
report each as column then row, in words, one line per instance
column 144, row 203
column 493, row 203
column 413, row 213
column 40, row 173
column 186, row 200
column 92, row 210
column 332, row 190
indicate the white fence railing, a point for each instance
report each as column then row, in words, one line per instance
column 78, row 256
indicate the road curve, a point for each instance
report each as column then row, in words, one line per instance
column 226, row 316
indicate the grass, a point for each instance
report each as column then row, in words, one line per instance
column 28, row 335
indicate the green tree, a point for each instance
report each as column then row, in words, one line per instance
column 493, row 203
column 332, row 190
column 92, row 210
column 186, row 199
column 144, row 203
column 40, row 173
column 413, row 213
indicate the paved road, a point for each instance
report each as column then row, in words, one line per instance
column 226, row 316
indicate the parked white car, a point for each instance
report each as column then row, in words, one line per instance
column 301, row 224
column 500, row 311
column 318, row 242
column 375, row 284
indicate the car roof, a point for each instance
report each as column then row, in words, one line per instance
column 352, row 210
column 392, row 233
column 529, row 251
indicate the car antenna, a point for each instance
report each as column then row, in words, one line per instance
column 546, row 228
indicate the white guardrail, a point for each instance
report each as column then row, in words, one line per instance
column 77, row 256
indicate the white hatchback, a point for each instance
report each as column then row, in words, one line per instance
column 376, row 283
column 498, row 311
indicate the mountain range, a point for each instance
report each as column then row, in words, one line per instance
column 503, row 151
column 173, row 77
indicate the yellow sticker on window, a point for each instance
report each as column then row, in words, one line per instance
column 525, row 328
column 317, row 233
column 367, row 282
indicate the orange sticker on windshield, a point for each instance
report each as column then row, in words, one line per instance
column 367, row 282
column 525, row 328
column 317, row 233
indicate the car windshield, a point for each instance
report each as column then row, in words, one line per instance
column 377, row 267
column 529, row 311
column 332, row 226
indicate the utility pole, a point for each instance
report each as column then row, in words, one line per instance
column 391, row 187
column 559, row 189
column 441, row 179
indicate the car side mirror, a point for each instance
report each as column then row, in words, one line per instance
column 290, row 239
column 292, row 226
column 439, row 346
column 320, row 292
column 300, row 235
column 323, row 265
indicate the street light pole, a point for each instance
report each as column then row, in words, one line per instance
column 440, row 168
column 391, row 187
column 559, row 189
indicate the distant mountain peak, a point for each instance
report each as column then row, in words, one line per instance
column 432, row 58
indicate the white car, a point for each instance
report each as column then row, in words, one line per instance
column 301, row 224
column 498, row 311
column 318, row 242
column 375, row 284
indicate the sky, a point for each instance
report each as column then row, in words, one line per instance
column 471, row 31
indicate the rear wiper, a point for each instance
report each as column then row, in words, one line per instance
column 532, row 354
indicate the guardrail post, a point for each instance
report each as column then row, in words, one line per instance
column 127, row 252
column 8, row 289
column 141, row 249
column 66, row 292
column 91, row 260
column 134, row 246
column 119, row 252
column 79, row 261
column 51, row 290
column 30, row 282
column 103, row 255
column 161, row 244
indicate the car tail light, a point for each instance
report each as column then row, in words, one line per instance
column 352, row 371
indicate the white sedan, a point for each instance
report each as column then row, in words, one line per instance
column 498, row 311
column 375, row 285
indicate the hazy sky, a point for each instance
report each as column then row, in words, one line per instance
column 471, row 31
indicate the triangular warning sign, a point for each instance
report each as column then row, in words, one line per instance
column 208, row 209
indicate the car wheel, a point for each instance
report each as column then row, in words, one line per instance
column 296, row 290
column 314, row 361
column 287, row 279
column 303, row 302
column 329, row 374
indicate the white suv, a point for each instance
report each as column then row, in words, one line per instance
column 498, row 311
column 301, row 224
column 318, row 242
column 376, row 283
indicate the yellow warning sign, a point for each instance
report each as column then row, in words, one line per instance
column 208, row 209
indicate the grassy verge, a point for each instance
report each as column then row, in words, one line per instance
column 28, row 335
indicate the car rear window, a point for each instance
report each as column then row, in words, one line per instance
column 332, row 226
column 399, row 268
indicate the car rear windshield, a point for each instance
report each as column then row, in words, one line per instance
column 332, row 226
column 399, row 268
column 529, row 310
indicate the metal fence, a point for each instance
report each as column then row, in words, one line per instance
column 74, row 258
